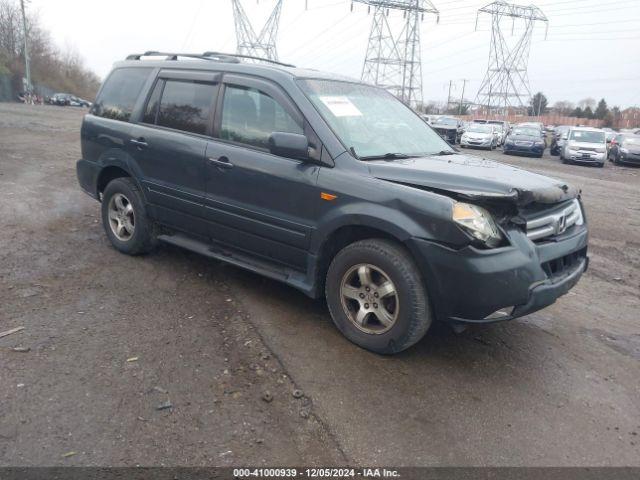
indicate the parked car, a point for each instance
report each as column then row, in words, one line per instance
column 625, row 149
column 449, row 128
column 584, row 145
column 524, row 140
column 502, row 130
column 480, row 135
column 62, row 99
column 329, row 185
column 79, row 102
column 557, row 141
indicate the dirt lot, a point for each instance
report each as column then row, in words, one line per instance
column 111, row 339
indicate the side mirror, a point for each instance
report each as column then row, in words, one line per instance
column 565, row 137
column 289, row 145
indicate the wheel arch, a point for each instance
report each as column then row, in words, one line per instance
column 112, row 171
column 345, row 235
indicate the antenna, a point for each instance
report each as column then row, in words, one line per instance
column 393, row 59
column 506, row 83
column 262, row 45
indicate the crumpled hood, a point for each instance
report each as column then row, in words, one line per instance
column 474, row 177
column 479, row 135
column 591, row 146
column 525, row 138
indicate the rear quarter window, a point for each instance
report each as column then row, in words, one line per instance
column 120, row 93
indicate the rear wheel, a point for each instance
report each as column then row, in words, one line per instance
column 377, row 297
column 124, row 218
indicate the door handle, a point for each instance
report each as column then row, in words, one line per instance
column 221, row 162
column 140, row 142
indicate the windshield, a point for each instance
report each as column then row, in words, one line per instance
column 480, row 128
column 631, row 140
column 532, row 132
column 371, row 120
column 445, row 121
column 587, row 136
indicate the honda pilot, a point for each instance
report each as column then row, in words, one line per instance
column 329, row 185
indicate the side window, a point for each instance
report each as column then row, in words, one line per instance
column 185, row 105
column 151, row 110
column 120, row 93
column 250, row 116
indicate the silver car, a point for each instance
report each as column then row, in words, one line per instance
column 503, row 129
column 480, row 135
column 584, row 145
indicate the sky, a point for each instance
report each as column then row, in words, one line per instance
column 592, row 48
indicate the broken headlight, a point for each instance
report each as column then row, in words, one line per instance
column 477, row 222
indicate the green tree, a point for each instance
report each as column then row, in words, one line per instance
column 538, row 105
column 577, row 112
column 602, row 110
column 587, row 113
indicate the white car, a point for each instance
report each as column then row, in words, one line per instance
column 480, row 135
column 584, row 145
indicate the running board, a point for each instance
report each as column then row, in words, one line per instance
column 238, row 259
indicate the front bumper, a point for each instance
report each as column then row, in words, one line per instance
column 632, row 158
column 525, row 149
column 476, row 143
column 470, row 285
column 586, row 157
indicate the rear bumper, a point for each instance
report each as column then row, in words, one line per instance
column 87, row 173
column 471, row 285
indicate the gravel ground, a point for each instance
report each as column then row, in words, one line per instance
column 112, row 339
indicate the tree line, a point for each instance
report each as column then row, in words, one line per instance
column 61, row 71
column 585, row 108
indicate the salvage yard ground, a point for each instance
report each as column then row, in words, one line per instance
column 174, row 359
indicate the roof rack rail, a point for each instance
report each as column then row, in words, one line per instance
column 213, row 56
column 250, row 57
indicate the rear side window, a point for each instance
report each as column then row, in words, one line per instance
column 250, row 116
column 181, row 105
column 120, row 93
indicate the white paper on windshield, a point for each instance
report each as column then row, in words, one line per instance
column 341, row 106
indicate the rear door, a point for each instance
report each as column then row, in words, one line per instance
column 169, row 146
column 259, row 202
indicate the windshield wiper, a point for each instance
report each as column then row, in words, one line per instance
column 445, row 152
column 387, row 156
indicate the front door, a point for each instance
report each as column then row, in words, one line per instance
column 258, row 202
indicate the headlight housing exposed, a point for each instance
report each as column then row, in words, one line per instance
column 477, row 222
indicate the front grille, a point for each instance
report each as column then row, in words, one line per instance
column 586, row 149
column 524, row 144
column 554, row 223
column 558, row 266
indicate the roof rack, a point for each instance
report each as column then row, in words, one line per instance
column 213, row 56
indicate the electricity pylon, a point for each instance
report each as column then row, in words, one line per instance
column 262, row 45
column 393, row 60
column 506, row 83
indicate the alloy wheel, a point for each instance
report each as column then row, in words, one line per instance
column 369, row 298
column 121, row 217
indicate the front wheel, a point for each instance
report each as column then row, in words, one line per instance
column 124, row 218
column 377, row 297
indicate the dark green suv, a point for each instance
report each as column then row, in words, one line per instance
column 329, row 185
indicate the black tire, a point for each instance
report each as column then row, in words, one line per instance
column 414, row 313
column 143, row 239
